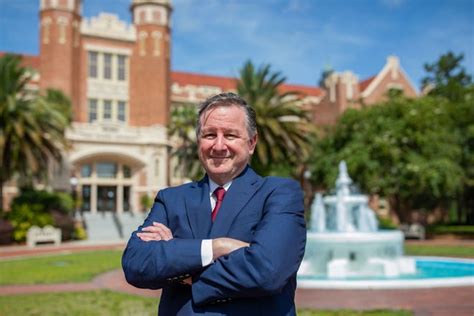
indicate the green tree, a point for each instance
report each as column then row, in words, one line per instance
column 284, row 128
column 182, row 132
column 32, row 126
column 403, row 149
column 447, row 77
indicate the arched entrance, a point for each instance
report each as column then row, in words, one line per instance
column 106, row 182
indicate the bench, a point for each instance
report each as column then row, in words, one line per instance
column 46, row 234
column 413, row 231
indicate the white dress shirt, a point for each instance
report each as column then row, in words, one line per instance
column 206, row 244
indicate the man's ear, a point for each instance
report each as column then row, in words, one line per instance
column 252, row 143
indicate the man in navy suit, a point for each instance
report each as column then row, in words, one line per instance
column 230, row 251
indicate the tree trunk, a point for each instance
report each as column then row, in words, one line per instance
column 1, row 193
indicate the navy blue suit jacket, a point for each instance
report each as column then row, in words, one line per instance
column 255, row 280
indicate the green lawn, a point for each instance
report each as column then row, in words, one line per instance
column 94, row 303
column 75, row 267
column 461, row 251
column 104, row 303
column 306, row 312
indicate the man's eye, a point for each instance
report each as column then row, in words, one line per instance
column 231, row 136
column 209, row 136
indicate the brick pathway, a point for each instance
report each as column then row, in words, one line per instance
column 454, row 301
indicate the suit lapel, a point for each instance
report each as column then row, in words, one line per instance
column 242, row 189
column 198, row 209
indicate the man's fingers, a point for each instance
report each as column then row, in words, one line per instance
column 149, row 236
column 157, row 231
column 164, row 231
column 188, row 281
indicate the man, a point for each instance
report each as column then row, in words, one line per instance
column 230, row 251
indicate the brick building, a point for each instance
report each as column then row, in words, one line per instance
column 119, row 79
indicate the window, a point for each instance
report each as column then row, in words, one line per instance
column 92, row 110
column 106, row 169
column 127, row 172
column 107, row 110
column 86, row 171
column 107, row 66
column 121, row 111
column 121, row 70
column 93, row 64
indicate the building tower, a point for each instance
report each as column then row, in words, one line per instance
column 60, row 22
column 150, row 63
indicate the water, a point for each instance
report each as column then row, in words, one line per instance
column 426, row 268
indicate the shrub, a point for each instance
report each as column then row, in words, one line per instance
column 23, row 216
column 146, row 202
column 51, row 201
column 386, row 223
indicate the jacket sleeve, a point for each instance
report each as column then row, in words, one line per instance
column 154, row 264
column 273, row 257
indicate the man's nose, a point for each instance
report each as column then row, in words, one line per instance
column 220, row 143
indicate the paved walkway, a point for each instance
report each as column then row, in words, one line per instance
column 454, row 301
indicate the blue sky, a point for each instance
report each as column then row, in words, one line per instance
column 297, row 37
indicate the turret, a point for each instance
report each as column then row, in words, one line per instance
column 150, row 63
column 60, row 22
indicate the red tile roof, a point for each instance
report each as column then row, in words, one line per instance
column 27, row 60
column 185, row 78
column 306, row 90
column 230, row 83
column 365, row 83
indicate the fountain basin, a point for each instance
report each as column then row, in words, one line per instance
column 431, row 272
column 339, row 255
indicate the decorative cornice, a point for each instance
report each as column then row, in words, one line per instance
column 108, row 26
column 118, row 133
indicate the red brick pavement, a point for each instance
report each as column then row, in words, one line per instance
column 454, row 301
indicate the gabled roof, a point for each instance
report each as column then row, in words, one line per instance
column 365, row 83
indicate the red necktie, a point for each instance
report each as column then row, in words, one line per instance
column 219, row 194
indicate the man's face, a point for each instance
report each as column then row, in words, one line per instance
column 225, row 147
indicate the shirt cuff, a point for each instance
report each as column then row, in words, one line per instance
column 206, row 252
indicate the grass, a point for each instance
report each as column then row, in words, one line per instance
column 93, row 303
column 342, row 312
column 104, row 303
column 463, row 251
column 76, row 267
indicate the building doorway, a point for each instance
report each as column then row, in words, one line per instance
column 106, row 198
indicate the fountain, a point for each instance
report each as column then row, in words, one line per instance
column 344, row 241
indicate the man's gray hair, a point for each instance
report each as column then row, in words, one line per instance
column 228, row 99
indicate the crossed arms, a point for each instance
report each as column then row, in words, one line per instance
column 220, row 246
column 261, row 267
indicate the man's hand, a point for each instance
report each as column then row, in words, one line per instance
column 155, row 232
column 223, row 246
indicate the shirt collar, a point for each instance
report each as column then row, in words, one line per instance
column 213, row 186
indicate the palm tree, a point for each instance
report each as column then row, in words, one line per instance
column 182, row 132
column 284, row 128
column 32, row 126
